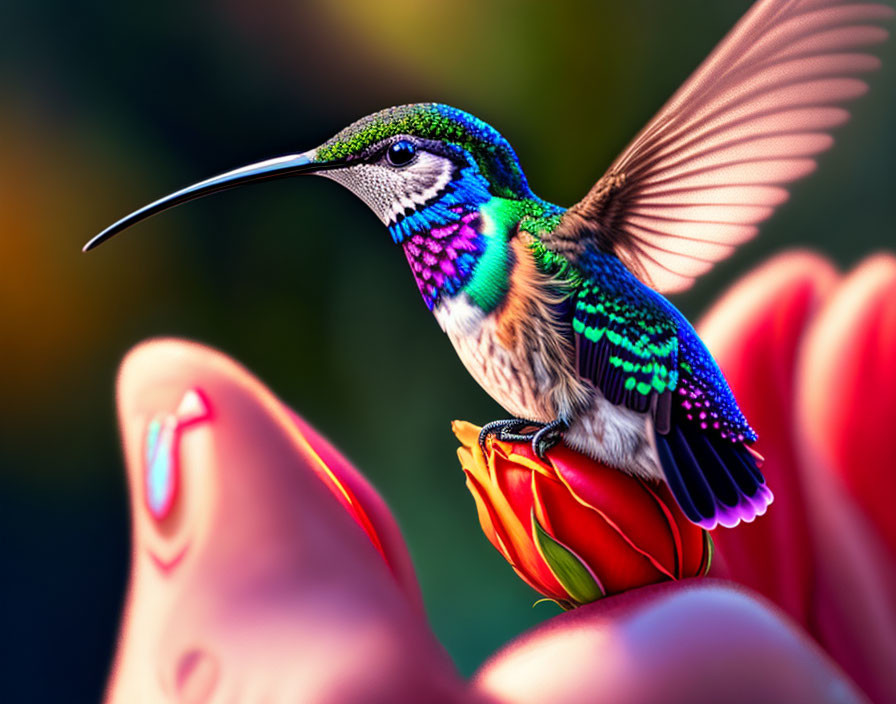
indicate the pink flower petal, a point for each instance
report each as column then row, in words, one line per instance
column 845, row 418
column 813, row 553
column 852, row 611
column 849, row 388
column 693, row 642
column 754, row 331
column 375, row 509
column 275, row 590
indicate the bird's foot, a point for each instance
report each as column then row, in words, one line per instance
column 509, row 430
column 549, row 435
column 543, row 437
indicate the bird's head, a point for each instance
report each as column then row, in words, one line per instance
column 416, row 166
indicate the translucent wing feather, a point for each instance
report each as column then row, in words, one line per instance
column 715, row 160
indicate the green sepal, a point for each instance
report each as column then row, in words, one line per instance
column 709, row 549
column 569, row 570
column 566, row 606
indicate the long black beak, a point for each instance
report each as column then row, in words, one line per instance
column 280, row 167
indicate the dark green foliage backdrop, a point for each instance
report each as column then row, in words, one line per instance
column 104, row 106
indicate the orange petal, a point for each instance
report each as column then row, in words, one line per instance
column 522, row 454
column 466, row 433
column 515, row 536
column 485, row 517
column 473, row 464
column 515, row 483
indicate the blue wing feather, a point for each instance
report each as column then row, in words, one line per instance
column 626, row 343
column 641, row 352
column 627, row 333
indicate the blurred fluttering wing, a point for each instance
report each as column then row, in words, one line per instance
column 715, row 160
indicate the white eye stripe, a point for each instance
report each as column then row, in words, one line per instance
column 412, row 199
column 391, row 192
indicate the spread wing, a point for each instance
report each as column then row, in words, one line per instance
column 715, row 161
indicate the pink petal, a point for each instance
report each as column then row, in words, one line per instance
column 812, row 553
column 845, row 421
column 258, row 583
column 381, row 520
column 853, row 606
column 754, row 332
column 848, row 388
column 694, row 642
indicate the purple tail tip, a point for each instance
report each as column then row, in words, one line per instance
column 746, row 510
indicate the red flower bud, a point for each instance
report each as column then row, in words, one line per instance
column 574, row 529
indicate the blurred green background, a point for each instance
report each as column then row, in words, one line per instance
column 105, row 106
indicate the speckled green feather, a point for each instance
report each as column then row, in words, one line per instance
column 443, row 123
column 641, row 348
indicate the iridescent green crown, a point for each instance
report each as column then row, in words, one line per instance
column 442, row 123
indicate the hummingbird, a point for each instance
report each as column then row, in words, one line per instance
column 560, row 313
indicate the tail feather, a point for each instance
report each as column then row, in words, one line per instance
column 715, row 481
column 742, row 468
column 720, row 482
column 694, row 483
column 676, row 481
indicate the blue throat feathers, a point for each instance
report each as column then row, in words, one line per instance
column 448, row 243
column 460, row 240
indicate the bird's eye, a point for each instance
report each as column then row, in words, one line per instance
column 401, row 153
